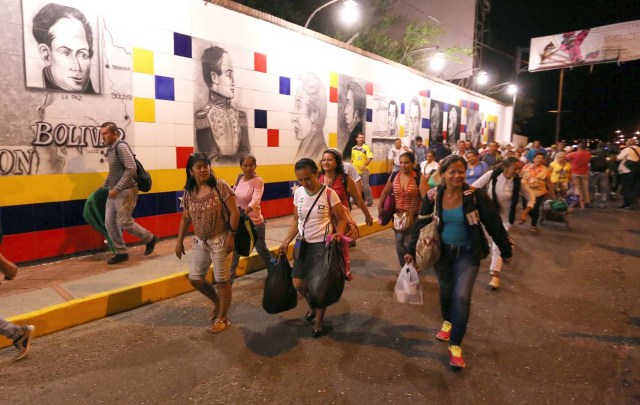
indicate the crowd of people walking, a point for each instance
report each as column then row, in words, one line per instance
column 473, row 195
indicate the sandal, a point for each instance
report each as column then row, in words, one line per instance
column 310, row 315
column 213, row 314
column 220, row 326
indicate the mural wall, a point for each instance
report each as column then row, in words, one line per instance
column 188, row 77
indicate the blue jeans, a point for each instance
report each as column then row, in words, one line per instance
column 457, row 271
column 403, row 242
column 366, row 188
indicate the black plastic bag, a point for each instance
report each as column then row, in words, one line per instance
column 325, row 282
column 279, row 294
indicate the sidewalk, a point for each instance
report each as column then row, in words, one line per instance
column 65, row 293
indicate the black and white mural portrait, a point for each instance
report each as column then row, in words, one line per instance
column 474, row 128
column 308, row 116
column 413, row 120
column 351, row 112
column 61, row 47
column 436, row 117
column 221, row 129
column 453, row 126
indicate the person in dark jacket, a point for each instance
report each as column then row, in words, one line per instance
column 439, row 148
column 461, row 213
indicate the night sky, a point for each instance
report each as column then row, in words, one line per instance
column 601, row 101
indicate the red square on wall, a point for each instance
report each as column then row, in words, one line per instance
column 369, row 88
column 260, row 62
column 273, row 138
column 182, row 156
column 333, row 94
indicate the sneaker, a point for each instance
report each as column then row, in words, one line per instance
column 455, row 357
column 151, row 245
column 495, row 280
column 533, row 229
column 23, row 343
column 445, row 332
column 118, row 258
column 220, row 326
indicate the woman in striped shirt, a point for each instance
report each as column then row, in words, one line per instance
column 404, row 185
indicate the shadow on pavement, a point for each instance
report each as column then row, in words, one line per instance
column 616, row 339
column 619, row 250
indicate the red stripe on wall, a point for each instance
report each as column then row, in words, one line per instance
column 277, row 208
column 30, row 246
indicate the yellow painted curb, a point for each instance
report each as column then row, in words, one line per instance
column 82, row 310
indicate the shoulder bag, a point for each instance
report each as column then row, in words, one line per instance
column 428, row 245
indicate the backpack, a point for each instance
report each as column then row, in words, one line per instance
column 633, row 165
column 142, row 177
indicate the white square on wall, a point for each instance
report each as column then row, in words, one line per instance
column 185, row 135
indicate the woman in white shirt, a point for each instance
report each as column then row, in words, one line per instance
column 314, row 205
column 504, row 188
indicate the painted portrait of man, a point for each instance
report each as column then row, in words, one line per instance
column 351, row 113
column 309, row 114
column 221, row 129
column 392, row 118
column 453, row 127
column 65, row 44
column 435, row 121
column 412, row 120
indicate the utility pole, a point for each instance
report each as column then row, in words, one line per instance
column 559, row 105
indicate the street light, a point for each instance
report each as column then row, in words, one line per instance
column 349, row 11
column 482, row 78
column 437, row 62
column 512, row 89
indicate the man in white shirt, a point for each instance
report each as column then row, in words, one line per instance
column 394, row 154
column 630, row 180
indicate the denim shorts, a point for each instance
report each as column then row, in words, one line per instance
column 204, row 253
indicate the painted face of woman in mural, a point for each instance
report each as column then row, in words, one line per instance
column 413, row 120
column 225, row 83
column 68, row 59
column 453, row 123
column 350, row 111
column 303, row 120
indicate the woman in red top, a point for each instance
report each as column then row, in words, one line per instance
column 580, row 173
column 405, row 188
column 332, row 175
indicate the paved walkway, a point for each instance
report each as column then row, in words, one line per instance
column 40, row 286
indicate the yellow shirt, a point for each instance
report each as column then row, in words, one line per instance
column 359, row 157
column 560, row 173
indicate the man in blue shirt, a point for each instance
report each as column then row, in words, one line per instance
column 535, row 149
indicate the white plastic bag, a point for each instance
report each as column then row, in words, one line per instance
column 408, row 289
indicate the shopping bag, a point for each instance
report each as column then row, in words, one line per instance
column 428, row 246
column 279, row 295
column 408, row 289
column 325, row 282
column 246, row 235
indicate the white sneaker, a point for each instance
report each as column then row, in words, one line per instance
column 495, row 282
column 23, row 343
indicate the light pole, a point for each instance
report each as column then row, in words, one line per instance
column 349, row 11
column 426, row 48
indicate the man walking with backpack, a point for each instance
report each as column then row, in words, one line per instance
column 123, row 195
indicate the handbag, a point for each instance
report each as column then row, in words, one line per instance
column 428, row 245
column 402, row 221
column 246, row 234
column 388, row 205
column 633, row 165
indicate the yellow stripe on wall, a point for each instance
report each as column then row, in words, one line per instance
column 19, row 190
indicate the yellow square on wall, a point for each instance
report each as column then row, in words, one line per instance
column 144, row 109
column 333, row 140
column 401, row 131
column 333, row 80
column 142, row 61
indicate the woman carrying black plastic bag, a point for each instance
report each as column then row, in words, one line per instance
column 314, row 206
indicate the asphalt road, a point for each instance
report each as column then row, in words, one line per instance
column 564, row 328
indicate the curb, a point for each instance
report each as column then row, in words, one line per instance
column 97, row 306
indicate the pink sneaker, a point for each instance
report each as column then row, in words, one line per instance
column 455, row 357
column 445, row 332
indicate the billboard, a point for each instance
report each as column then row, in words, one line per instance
column 609, row 43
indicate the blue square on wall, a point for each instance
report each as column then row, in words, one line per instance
column 260, row 118
column 445, row 107
column 401, row 108
column 182, row 45
column 164, row 88
column 285, row 86
column 426, row 123
column 369, row 114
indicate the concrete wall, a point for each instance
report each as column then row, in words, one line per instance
column 142, row 68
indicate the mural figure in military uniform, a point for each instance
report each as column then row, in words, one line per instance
column 221, row 129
